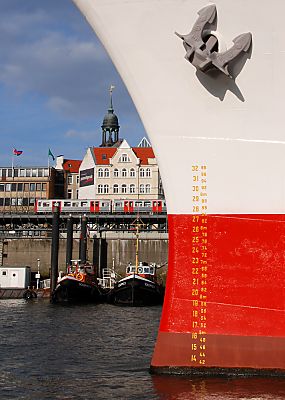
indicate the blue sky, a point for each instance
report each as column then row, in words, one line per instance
column 54, row 81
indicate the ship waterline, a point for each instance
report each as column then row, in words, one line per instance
column 219, row 143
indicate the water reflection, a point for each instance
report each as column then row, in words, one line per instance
column 185, row 388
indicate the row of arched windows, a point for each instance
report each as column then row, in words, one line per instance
column 124, row 173
column 105, row 189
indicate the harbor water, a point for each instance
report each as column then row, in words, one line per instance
column 99, row 352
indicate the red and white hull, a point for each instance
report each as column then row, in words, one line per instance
column 220, row 148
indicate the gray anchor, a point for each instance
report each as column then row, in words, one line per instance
column 200, row 49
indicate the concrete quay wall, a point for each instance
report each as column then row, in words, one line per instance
column 121, row 251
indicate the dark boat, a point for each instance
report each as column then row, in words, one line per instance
column 139, row 288
column 79, row 285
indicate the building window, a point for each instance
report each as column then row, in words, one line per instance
column 106, row 172
column 77, row 179
column 1, row 202
column 44, row 187
column 147, row 188
column 147, row 172
column 2, row 187
column 124, row 173
column 100, row 173
column 26, row 187
column 141, row 188
column 69, row 179
column 116, row 189
column 77, row 193
column 106, row 189
column 132, row 188
column 28, row 173
column 100, row 189
column 20, row 201
column 10, row 173
column 40, row 172
column 124, row 158
column 116, row 173
column 22, row 173
column 32, row 187
column 13, row 187
column 39, row 187
column 69, row 194
column 13, row 202
column 8, row 187
column 142, row 172
column 16, row 172
column 46, row 172
column 34, row 173
column 132, row 173
column 20, row 187
column 124, row 188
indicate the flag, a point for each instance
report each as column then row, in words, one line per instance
column 50, row 154
column 17, row 152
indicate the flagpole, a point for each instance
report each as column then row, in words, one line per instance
column 13, row 164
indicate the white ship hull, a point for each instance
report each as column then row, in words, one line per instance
column 219, row 143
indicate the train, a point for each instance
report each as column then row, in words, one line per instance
column 125, row 206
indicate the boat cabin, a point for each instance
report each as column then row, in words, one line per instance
column 144, row 270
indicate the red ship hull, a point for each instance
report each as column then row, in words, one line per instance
column 229, row 314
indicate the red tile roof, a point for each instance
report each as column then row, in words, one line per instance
column 143, row 153
column 103, row 154
column 72, row 165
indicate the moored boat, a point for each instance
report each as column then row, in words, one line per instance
column 79, row 285
column 139, row 287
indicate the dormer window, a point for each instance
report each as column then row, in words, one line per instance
column 104, row 156
column 124, row 158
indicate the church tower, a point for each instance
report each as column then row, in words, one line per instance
column 110, row 126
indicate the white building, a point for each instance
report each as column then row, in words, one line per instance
column 122, row 172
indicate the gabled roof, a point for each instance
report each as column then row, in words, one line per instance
column 143, row 153
column 103, row 154
column 71, row 165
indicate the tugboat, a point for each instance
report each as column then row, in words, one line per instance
column 79, row 285
column 140, row 286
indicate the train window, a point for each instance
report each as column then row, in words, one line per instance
column 151, row 270
column 118, row 203
column 39, row 203
column 147, row 204
column 67, row 204
column 83, row 203
column 146, row 270
column 128, row 270
column 138, row 204
column 75, row 204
